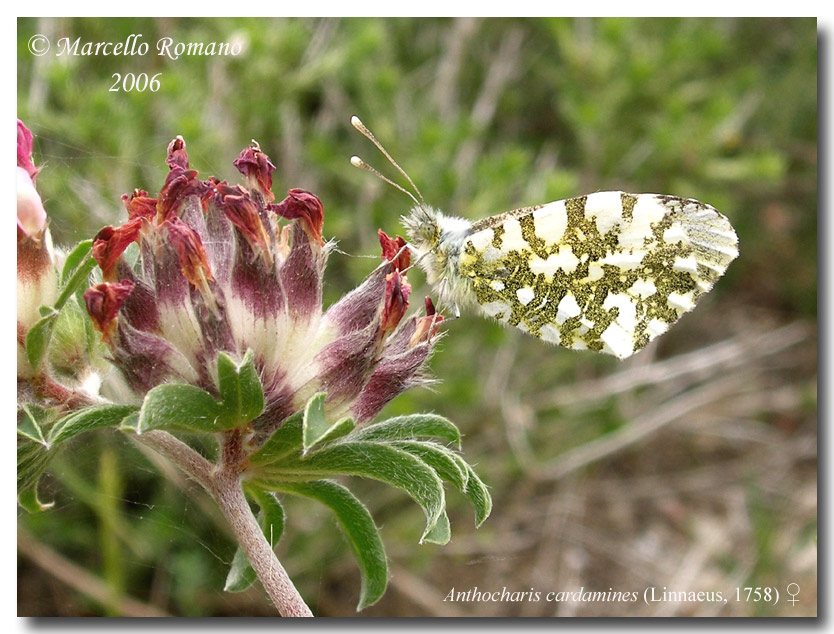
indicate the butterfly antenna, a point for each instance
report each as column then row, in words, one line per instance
column 358, row 162
column 357, row 123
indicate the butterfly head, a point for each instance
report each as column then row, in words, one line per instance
column 422, row 228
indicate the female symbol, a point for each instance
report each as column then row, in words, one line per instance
column 793, row 590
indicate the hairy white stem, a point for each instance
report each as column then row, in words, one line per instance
column 223, row 482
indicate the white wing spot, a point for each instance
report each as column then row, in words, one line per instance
column 551, row 221
column 482, row 239
column 497, row 285
column 563, row 259
column 643, row 288
column 606, row 208
column 627, row 317
column 525, row 295
column 688, row 264
column 675, row 234
column 617, row 341
column 647, row 210
column 681, row 302
column 512, row 240
column 624, row 259
column 656, row 327
column 567, row 308
column 498, row 310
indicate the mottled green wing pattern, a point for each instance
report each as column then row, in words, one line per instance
column 608, row 272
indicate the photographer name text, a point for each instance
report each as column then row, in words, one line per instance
column 133, row 46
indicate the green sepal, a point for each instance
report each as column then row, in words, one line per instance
column 179, row 406
column 87, row 419
column 241, row 392
column 359, row 529
column 315, row 428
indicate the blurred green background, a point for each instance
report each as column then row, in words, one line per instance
column 691, row 465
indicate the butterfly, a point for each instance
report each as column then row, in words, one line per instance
column 609, row 271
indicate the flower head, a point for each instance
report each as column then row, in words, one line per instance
column 221, row 268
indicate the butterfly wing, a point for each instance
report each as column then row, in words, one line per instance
column 609, row 271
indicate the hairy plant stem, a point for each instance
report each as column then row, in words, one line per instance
column 223, row 483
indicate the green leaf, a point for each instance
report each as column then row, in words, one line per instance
column 448, row 465
column 360, row 531
column 77, row 257
column 371, row 460
column 32, row 460
column 283, row 442
column 28, row 425
column 87, row 419
column 316, row 429
column 410, row 427
column 271, row 519
column 241, row 392
column 479, row 496
column 72, row 278
column 28, row 499
column 241, row 574
column 441, row 534
column 179, row 406
column 37, row 339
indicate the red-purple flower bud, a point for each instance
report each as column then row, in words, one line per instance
column 426, row 327
column 24, row 150
column 177, row 156
column 303, row 205
column 257, row 168
column 395, row 251
column 139, row 204
column 191, row 254
column 397, row 290
column 110, row 243
column 180, row 184
column 103, row 303
column 242, row 212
